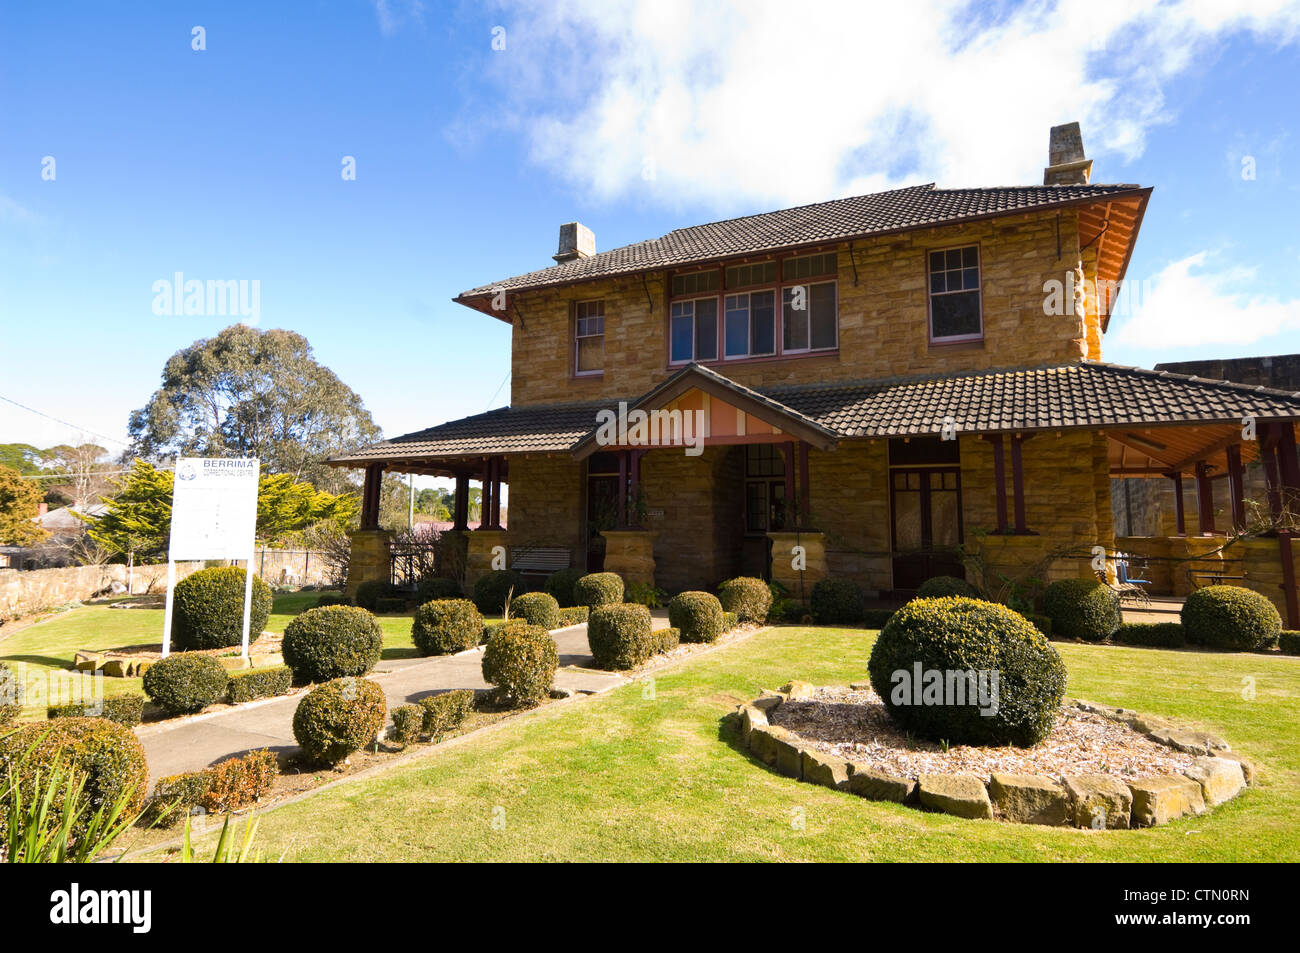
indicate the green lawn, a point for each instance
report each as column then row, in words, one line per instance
column 52, row 644
column 625, row 777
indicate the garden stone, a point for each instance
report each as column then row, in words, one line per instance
column 762, row 742
column 1247, row 766
column 824, row 769
column 789, row 756
column 1161, row 799
column 768, row 701
column 1100, row 801
column 1180, row 739
column 798, row 691
column 1220, row 779
column 117, row 668
column 859, row 686
column 87, row 661
column 751, row 718
column 878, row 786
column 962, row 795
column 1030, row 799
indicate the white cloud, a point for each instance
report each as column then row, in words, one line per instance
column 394, row 14
column 1186, row 306
column 764, row 101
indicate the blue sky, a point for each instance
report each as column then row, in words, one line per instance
column 634, row 118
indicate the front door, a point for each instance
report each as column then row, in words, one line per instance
column 602, row 506
column 925, row 504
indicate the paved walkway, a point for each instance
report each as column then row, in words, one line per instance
column 1160, row 609
column 196, row 743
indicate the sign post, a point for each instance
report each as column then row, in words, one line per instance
column 214, row 516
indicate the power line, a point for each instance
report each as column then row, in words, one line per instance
column 497, row 391
column 65, row 423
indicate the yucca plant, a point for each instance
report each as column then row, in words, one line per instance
column 227, row 851
column 39, row 828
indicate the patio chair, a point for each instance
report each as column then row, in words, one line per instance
column 1122, row 589
column 1130, row 584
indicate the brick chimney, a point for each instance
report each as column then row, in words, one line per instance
column 1067, row 165
column 576, row 241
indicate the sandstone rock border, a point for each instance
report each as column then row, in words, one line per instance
column 1091, row 801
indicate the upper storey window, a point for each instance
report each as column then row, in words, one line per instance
column 956, row 313
column 589, row 338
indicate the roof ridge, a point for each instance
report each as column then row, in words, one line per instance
column 928, row 186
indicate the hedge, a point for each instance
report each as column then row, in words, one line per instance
column 446, row 626
column 876, row 618
column 437, row 587
column 492, row 590
column 127, row 709
column 445, row 711
column 746, row 596
column 950, row 637
column 573, row 615
column 185, row 683
column 334, row 642
column 369, row 593
column 536, row 608
column 663, row 641
column 227, row 786
column 560, row 584
column 333, row 599
column 619, row 635
column 251, row 684
column 837, row 602
column 520, row 660
column 938, row 586
column 729, row 621
column 1231, row 617
column 208, row 609
column 339, row 717
column 598, row 589
column 407, row 721
column 1289, row 642
column 390, row 605
column 698, row 616
column 1164, row 635
column 1081, row 609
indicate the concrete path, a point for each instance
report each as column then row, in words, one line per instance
column 198, row 742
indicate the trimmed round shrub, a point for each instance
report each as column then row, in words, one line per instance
column 560, row 585
column 619, row 635
column 108, row 754
column 437, row 587
column 1231, row 617
column 665, row 640
column 446, row 626
column 208, row 609
column 698, row 616
column 492, row 590
column 520, row 660
column 1081, row 609
column 339, row 717
column 407, row 722
column 334, row 642
column 573, row 615
column 598, row 589
column 1000, row 681
column 11, row 694
column 536, row 608
column 185, row 683
column 938, row 586
column 371, row 593
column 746, row 596
column 837, row 602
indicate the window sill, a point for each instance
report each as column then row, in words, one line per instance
column 971, row 344
column 587, row 377
column 769, row 359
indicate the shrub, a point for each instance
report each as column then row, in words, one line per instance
column 560, row 585
column 749, row 598
column 521, row 659
column 1289, row 642
column 446, row 626
column 491, row 591
column 837, row 602
column 339, row 717
column 645, row 594
column 227, row 786
column 536, row 608
column 446, row 711
column 251, row 684
column 1081, row 609
column 125, row 709
column 876, row 618
column 619, row 635
column 407, row 721
column 369, row 593
column 185, row 683
column 938, row 586
column 208, row 609
column 1040, row 622
column 1164, row 635
column 598, row 589
column 333, row 599
column 573, row 615
column 174, row 797
column 729, row 621
column 437, row 587
column 11, row 694
column 955, row 636
column 390, row 605
column 107, row 754
column 1230, row 617
column 335, row 642
column 698, row 616
column 489, row 630
column 663, row 641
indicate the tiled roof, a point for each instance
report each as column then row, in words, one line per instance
column 1088, row 394
column 917, row 206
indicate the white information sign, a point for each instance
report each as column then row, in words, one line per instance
column 214, row 516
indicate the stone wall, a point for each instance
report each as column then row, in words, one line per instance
column 883, row 317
